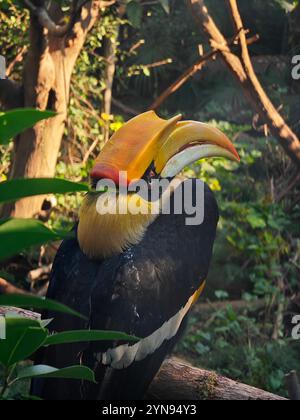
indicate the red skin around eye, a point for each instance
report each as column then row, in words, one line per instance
column 108, row 172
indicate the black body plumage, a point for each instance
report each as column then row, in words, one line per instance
column 135, row 292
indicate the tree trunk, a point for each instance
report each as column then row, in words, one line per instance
column 46, row 80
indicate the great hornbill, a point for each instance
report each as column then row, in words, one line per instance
column 133, row 272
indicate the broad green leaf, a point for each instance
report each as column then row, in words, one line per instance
column 23, row 337
column 20, row 188
column 15, row 122
column 44, row 371
column 134, row 12
column 166, row 6
column 17, row 235
column 24, row 301
column 86, row 335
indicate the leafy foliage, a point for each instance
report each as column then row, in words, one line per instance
column 257, row 249
column 233, row 344
column 18, row 234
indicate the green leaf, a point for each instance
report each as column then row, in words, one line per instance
column 23, row 337
column 19, row 234
column 165, row 5
column 135, row 13
column 256, row 221
column 221, row 294
column 85, row 335
column 44, row 371
column 24, row 301
column 14, row 122
column 20, row 188
column 288, row 7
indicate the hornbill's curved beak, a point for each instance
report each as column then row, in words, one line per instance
column 169, row 145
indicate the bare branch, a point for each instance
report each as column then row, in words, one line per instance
column 128, row 110
column 191, row 71
column 107, row 3
column 8, row 289
column 90, row 151
column 19, row 57
column 38, row 274
column 243, row 71
column 46, row 21
column 60, row 30
column 238, row 25
column 183, row 79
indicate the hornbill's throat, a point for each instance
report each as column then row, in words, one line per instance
column 144, row 142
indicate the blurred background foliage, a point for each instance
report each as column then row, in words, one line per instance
column 253, row 289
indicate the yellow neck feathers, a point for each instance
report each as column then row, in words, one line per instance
column 103, row 231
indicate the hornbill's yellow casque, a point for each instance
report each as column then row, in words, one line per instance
column 137, row 273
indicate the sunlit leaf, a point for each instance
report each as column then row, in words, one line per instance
column 23, row 337
column 256, row 221
column 85, row 335
column 17, row 235
column 44, row 371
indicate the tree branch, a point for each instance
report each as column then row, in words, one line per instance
column 190, row 72
column 60, row 30
column 128, row 110
column 244, row 73
column 8, row 289
column 19, row 57
column 107, row 3
column 178, row 381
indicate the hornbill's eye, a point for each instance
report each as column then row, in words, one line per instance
column 94, row 182
column 150, row 175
